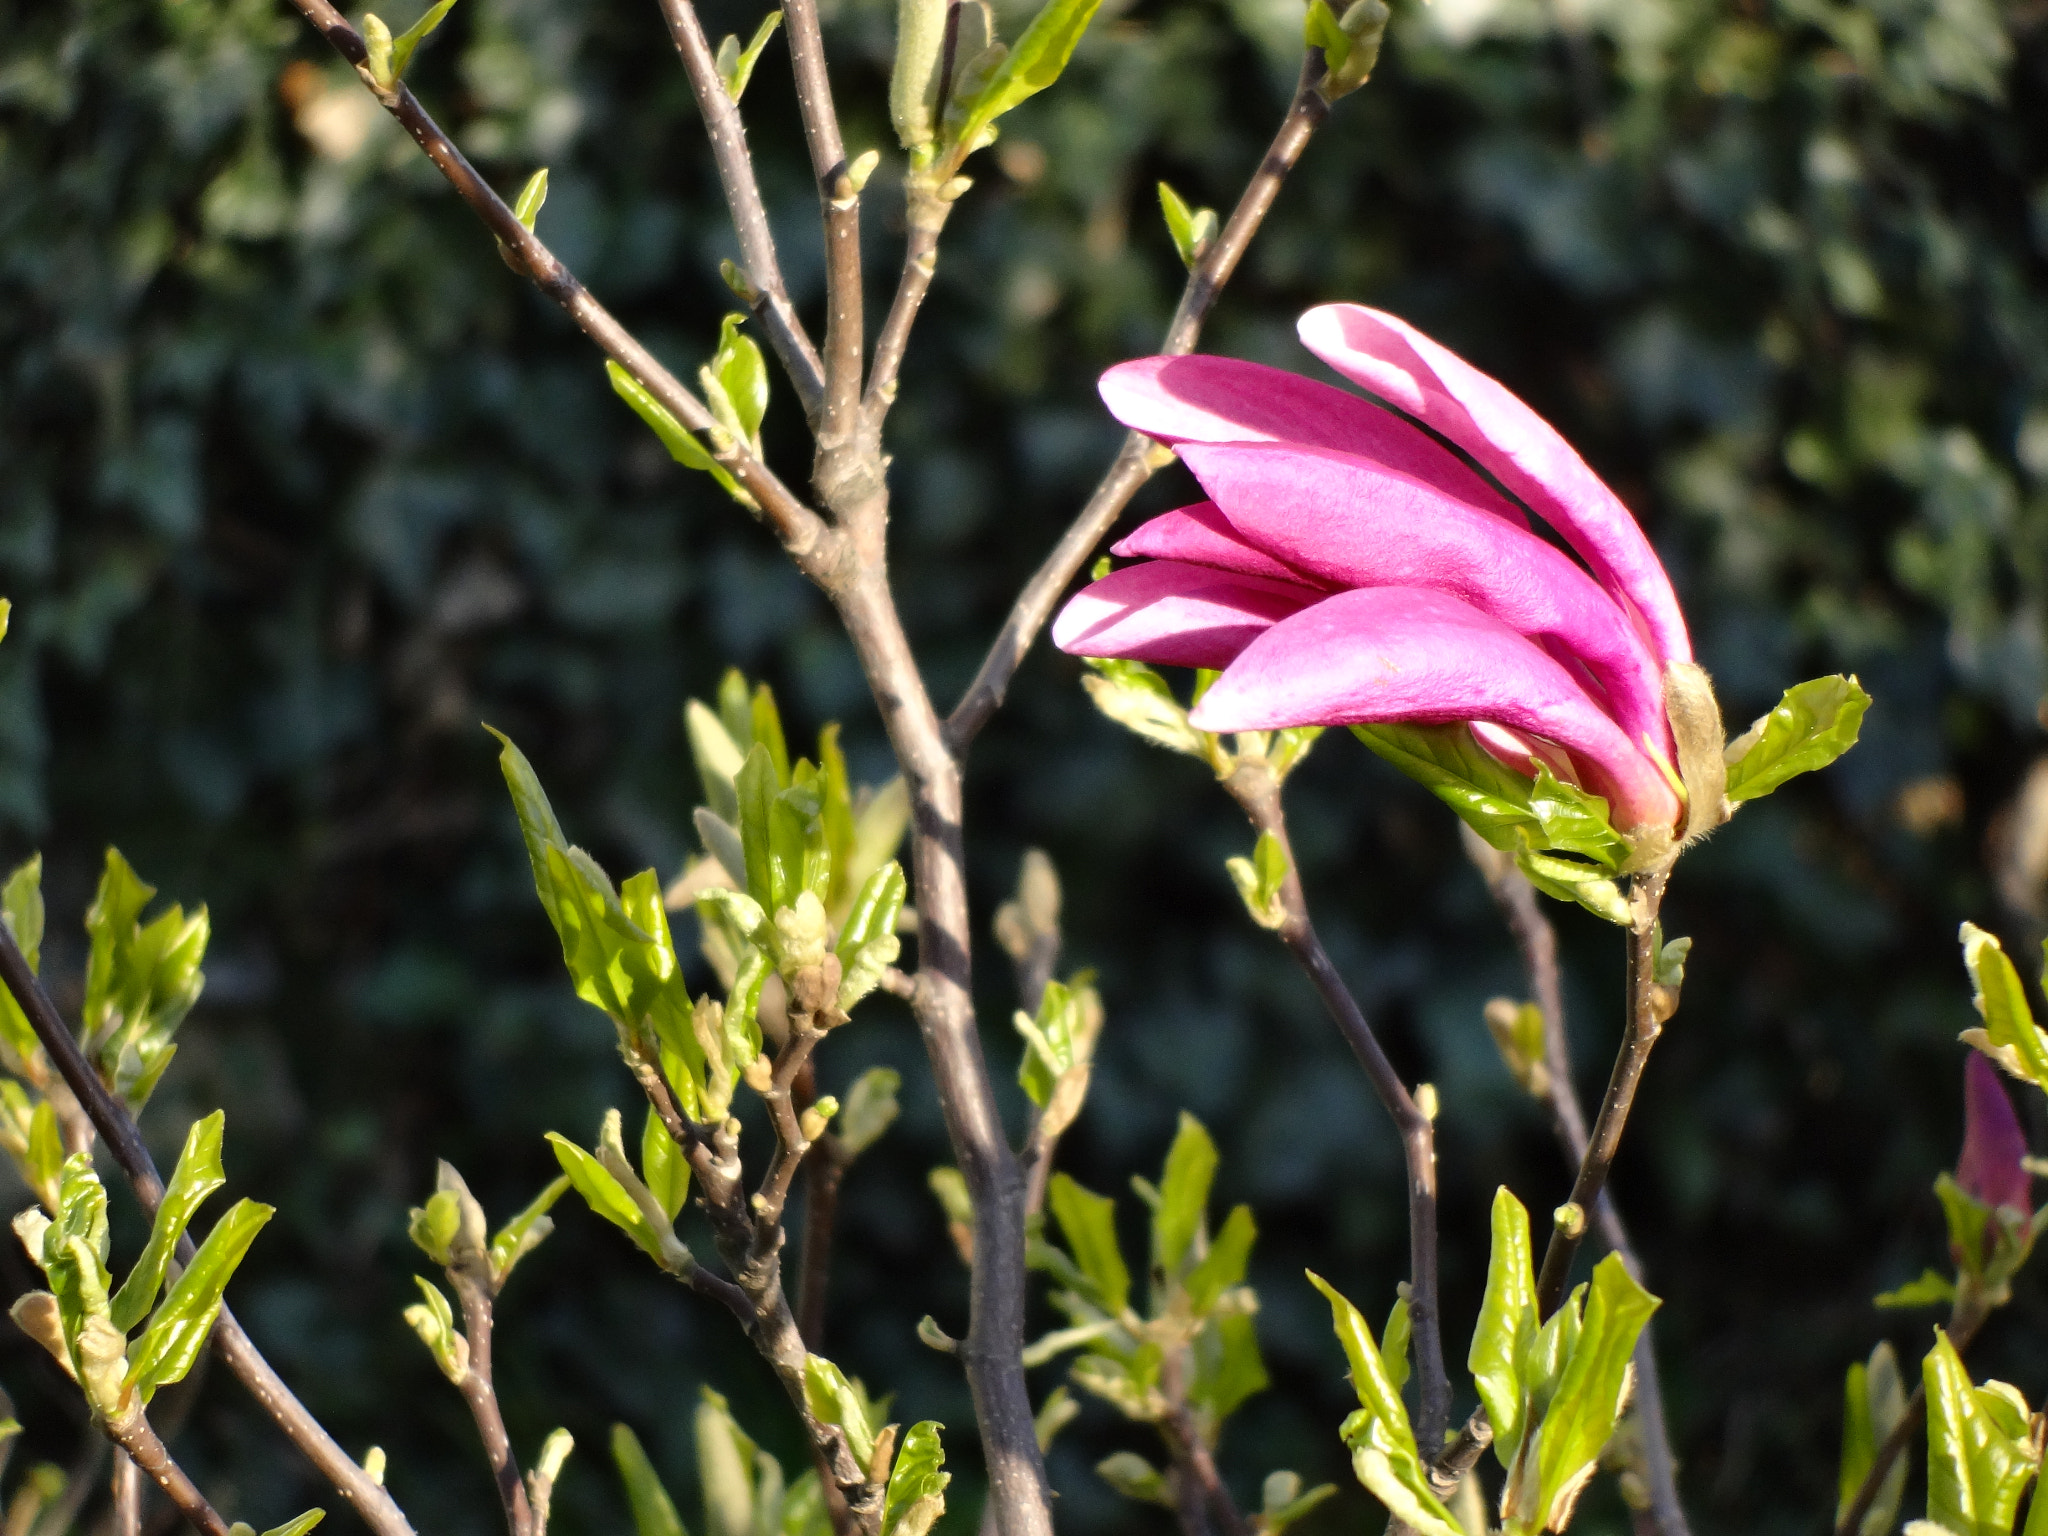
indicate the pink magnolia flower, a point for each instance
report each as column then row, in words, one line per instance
column 1348, row 568
column 1992, row 1167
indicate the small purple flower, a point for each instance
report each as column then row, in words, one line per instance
column 1348, row 568
column 1992, row 1168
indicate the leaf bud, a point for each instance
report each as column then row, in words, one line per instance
column 920, row 67
column 1427, row 1102
column 1570, row 1218
column 744, row 290
column 377, row 42
column 802, row 932
column 373, row 1464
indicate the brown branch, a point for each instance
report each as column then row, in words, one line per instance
column 127, row 1520
column 992, row 1353
column 1647, row 1011
column 471, row 1279
column 1202, row 1502
column 839, row 202
column 1963, row 1329
column 791, row 1145
column 800, row 530
column 824, row 1171
column 927, row 217
column 1140, row 456
column 1535, row 936
column 1257, row 792
column 728, row 135
column 134, row 1436
column 117, row 1128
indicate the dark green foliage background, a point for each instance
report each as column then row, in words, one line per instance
column 298, row 484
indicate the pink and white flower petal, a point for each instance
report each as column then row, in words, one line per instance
column 1356, row 524
column 1224, row 400
column 1174, row 614
column 1202, row 535
column 1404, row 655
column 1523, row 451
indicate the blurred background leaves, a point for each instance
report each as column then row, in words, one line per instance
column 298, row 485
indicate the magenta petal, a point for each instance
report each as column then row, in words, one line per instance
column 1356, row 524
column 1201, row 535
column 1522, row 450
column 1993, row 1144
column 1174, row 614
column 1398, row 654
column 1223, row 400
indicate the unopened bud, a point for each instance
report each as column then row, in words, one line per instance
column 761, row 1073
column 742, row 286
column 1570, row 1218
column 1426, row 1101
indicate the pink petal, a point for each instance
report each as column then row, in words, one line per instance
column 1399, row 654
column 1222, row 400
column 1522, row 450
column 1993, row 1144
column 1523, row 753
column 1174, row 614
column 1356, row 524
column 1201, row 535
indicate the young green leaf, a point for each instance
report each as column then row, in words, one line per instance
column 663, row 1166
column 718, row 758
column 1260, row 879
column 1394, row 1343
column 434, row 1321
column 1981, row 1447
column 1192, row 229
column 682, row 445
column 833, row 1399
column 1135, row 1478
column 916, row 1495
column 727, row 1463
column 608, row 1197
column 1506, row 1327
column 298, row 1525
column 1139, row 700
column 868, row 944
column 654, row 1512
column 526, row 1231
column 402, row 46
column 1815, row 723
column 1283, row 1501
column 869, row 1110
column 21, row 909
column 1930, row 1290
column 1591, row 1392
column 736, row 379
column 919, row 71
column 531, row 197
column 1222, row 1268
column 1183, row 1193
column 1874, row 1404
column 1383, row 1452
column 197, row 1175
column 1034, row 63
column 1088, row 1222
column 2009, row 1035
column 178, row 1328
column 736, row 64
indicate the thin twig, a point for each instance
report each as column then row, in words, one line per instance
column 134, row 1436
column 377, row 1508
column 839, row 202
column 1140, row 456
column 127, row 1496
column 799, row 529
column 824, row 1170
column 1644, row 1024
column 1202, row 1502
column 1536, row 937
column 1963, row 1329
column 791, row 1145
column 728, row 135
column 472, row 1284
column 1257, row 792
column 927, row 213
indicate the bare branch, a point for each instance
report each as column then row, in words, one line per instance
column 134, row 1436
column 472, row 1282
column 728, row 136
column 1139, row 456
column 800, row 530
column 127, row 1496
column 927, row 217
column 1257, row 792
column 111, row 1118
column 839, row 200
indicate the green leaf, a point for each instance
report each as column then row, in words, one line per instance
column 718, row 758
column 1259, row 880
column 1050, row 1042
column 1507, row 1325
column 1930, row 1290
column 1283, row 1501
column 1588, row 1401
column 21, row 909
column 920, row 69
column 141, row 980
column 1383, row 1453
column 833, row 1399
column 197, row 1175
column 736, row 383
column 1394, row 1342
column 1139, row 700
column 654, row 1512
column 736, row 64
column 607, row 1197
column 764, row 726
column 1228, row 1368
column 916, row 1494
column 1815, row 723
column 726, row 1462
column 1088, row 1222
column 1874, row 1402
column 2009, row 1035
column 1980, row 1454
column 681, row 444
column 299, row 1524
column 1034, row 63
column 531, row 196
column 402, row 46
column 525, row 1232
column 758, row 786
column 1223, row 1267
column 869, row 1110
column 1320, row 30
column 178, row 1329
column 868, row 944
column 1969, row 1223
column 1135, row 1478
column 1183, row 1193
column 663, row 1166
column 1192, row 229
column 804, row 1512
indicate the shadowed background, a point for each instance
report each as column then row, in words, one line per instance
column 298, row 485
